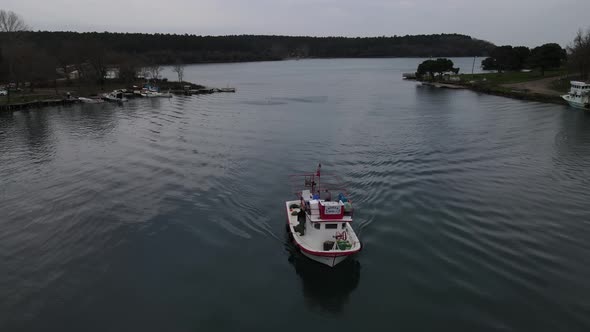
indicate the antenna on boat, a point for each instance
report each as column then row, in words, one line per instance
column 318, row 175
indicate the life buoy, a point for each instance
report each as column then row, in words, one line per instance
column 341, row 236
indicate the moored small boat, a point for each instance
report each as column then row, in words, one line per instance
column 90, row 100
column 320, row 226
column 115, row 96
column 228, row 89
column 152, row 91
column 579, row 95
column 154, row 94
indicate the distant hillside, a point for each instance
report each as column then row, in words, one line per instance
column 167, row 48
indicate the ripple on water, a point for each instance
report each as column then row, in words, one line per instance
column 472, row 208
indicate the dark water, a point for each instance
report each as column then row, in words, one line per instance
column 166, row 215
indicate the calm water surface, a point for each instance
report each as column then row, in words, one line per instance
column 167, row 215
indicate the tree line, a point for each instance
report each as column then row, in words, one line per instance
column 33, row 56
column 579, row 54
column 576, row 57
column 438, row 66
column 166, row 48
column 543, row 57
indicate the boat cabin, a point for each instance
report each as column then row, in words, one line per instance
column 579, row 88
column 320, row 208
column 324, row 200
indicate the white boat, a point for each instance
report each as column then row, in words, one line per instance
column 228, row 89
column 90, row 100
column 154, row 94
column 152, row 91
column 115, row 96
column 578, row 95
column 320, row 226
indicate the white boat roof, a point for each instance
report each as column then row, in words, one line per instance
column 308, row 197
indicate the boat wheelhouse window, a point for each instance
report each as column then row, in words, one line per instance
column 316, row 225
column 331, row 226
column 343, row 225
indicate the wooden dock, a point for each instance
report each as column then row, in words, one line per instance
column 37, row 104
column 64, row 101
column 205, row 90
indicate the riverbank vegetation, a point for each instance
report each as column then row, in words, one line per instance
column 436, row 67
column 87, row 63
column 508, row 58
column 579, row 54
column 575, row 58
column 542, row 73
column 168, row 48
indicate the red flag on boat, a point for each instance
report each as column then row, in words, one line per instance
column 319, row 168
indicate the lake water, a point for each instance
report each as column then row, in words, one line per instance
column 167, row 215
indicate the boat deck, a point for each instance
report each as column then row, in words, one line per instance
column 314, row 239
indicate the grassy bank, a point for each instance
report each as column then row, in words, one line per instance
column 511, row 76
column 519, row 85
column 561, row 85
column 60, row 92
column 26, row 98
column 498, row 90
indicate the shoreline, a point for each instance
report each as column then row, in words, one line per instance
column 532, row 88
column 47, row 97
column 520, row 95
column 536, row 89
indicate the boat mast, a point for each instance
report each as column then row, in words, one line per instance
column 318, row 175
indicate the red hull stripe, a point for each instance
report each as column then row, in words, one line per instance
column 326, row 254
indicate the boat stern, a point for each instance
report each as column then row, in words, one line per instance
column 326, row 260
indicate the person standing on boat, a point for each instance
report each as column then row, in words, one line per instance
column 301, row 218
column 301, row 213
column 326, row 195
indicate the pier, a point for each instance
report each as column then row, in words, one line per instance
column 37, row 104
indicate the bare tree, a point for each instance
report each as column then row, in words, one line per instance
column 19, row 59
column 178, row 68
column 11, row 22
column 65, row 58
column 96, row 55
column 144, row 71
column 579, row 53
column 42, row 70
column 129, row 66
column 154, row 71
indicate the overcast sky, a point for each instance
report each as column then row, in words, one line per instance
column 515, row 22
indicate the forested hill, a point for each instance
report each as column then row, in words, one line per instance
column 168, row 48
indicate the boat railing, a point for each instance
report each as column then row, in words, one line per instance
column 314, row 183
column 319, row 184
column 345, row 236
